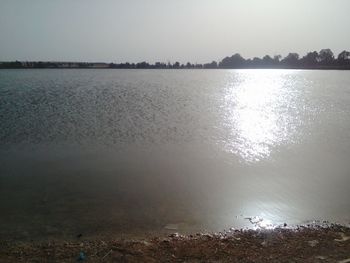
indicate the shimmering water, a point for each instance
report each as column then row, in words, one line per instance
column 131, row 152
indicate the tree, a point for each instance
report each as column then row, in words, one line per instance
column 344, row 56
column 291, row 59
column 142, row 65
column 211, row 65
column 159, row 65
column 189, row 65
column 235, row 61
column 311, row 59
column 267, row 61
column 277, row 58
column 256, row 62
column 326, row 56
column 176, row 64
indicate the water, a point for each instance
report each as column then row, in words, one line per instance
column 136, row 152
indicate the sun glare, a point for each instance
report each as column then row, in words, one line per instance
column 253, row 113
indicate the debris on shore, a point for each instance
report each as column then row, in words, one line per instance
column 299, row 244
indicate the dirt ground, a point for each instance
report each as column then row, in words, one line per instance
column 299, row 244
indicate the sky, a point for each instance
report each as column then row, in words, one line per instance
column 198, row 31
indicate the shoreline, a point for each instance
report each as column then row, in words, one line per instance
column 239, row 68
column 311, row 243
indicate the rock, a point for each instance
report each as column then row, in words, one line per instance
column 264, row 243
column 313, row 243
column 343, row 238
column 174, row 235
column 146, row 243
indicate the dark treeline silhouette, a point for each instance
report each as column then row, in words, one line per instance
column 324, row 59
column 313, row 60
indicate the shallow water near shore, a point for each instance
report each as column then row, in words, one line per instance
column 138, row 152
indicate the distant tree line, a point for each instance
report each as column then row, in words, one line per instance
column 324, row 59
column 41, row 64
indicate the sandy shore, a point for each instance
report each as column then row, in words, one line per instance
column 299, row 244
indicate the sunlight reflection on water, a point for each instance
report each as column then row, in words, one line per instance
column 256, row 112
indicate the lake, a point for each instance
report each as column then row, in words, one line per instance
column 146, row 152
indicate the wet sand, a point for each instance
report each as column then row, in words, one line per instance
column 283, row 244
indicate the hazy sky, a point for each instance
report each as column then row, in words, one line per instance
column 169, row 30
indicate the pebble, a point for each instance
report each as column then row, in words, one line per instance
column 313, row 243
column 343, row 238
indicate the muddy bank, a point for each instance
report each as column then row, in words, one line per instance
column 299, row 244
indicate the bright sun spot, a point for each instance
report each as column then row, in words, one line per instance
column 253, row 113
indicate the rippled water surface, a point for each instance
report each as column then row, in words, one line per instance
column 132, row 152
